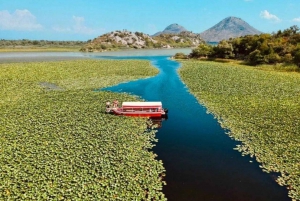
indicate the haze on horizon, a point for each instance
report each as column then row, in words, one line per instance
column 84, row 20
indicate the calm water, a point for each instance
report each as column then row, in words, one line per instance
column 198, row 156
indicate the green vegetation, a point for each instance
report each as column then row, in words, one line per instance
column 280, row 47
column 40, row 45
column 180, row 55
column 260, row 108
column 56, row 142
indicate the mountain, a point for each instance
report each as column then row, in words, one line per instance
column 117, row 40
column 230, row 27
column 171, row 29
column 138, row 40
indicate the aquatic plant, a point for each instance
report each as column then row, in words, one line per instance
column 60, row 144
column 260, row 108
column 20, row 80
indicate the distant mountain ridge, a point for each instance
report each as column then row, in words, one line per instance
column 173, row 36
column 171, row 29
column 230, row 27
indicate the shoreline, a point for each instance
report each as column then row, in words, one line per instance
column 39, row 59
column 16, row 57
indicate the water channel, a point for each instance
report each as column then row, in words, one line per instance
column 198, row 155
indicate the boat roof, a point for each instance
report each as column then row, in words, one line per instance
column 142, row 104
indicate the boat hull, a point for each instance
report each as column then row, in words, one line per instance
column 138, row 114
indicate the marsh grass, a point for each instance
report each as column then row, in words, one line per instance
column 260, row 108
column 41, row 49
column 60, row 145
column 280, row 67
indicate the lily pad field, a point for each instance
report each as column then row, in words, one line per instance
column 56, row 142
column 259, row 108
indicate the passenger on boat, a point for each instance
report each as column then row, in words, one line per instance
column 115, row 103
column 107, row 104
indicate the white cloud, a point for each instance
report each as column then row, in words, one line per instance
column 265, row 14
column 20, row 20
column 77, row 27
column 296, row 19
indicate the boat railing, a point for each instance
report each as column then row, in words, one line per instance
column 140, row 109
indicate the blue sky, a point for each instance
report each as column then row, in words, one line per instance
column 87, row 19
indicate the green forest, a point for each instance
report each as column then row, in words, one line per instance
column 280, row 47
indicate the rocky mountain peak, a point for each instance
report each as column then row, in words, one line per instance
column 229, row 27
column 172, row 29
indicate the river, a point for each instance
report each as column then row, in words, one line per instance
column 197, row 154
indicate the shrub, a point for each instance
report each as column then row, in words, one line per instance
column 180, row 55
column 297, row 58
column 255, row 58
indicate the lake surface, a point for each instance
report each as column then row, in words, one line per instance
column 198, row 155
column 12, row 57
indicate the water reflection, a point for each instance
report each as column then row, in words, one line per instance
column 156, row 123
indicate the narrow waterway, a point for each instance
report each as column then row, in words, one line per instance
column 198, row 155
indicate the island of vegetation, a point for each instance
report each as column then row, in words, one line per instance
column 57, row 143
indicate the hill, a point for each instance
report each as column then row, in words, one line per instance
column 179, row 40
column 138, row 40
column 171, row 29
column 119, row 39
column 173, row 36
column 230, row 27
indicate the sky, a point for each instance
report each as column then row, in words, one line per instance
column 82, row 20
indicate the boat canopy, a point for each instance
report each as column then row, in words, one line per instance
column 141, row 104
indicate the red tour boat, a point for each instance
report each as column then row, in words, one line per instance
column 139, row 109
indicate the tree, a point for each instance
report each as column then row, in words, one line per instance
column 255, row 57
column 224, row 50
column 272, row 58
column 203, row 50
column 297, row 58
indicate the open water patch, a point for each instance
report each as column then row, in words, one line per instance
column 50, row 86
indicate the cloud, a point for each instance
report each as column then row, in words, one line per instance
column 20, row 20
column 78, row 27
column 266, row 15
column 296, row 19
